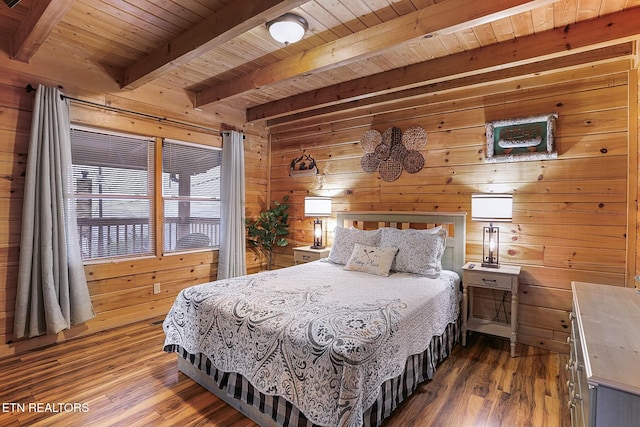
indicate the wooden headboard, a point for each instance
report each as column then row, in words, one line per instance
column 455, row 223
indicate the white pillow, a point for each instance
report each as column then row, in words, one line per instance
column 419, row 251
column 345, row 239
column 371, row 259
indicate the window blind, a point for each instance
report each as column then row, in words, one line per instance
column 191, row 196
column 113, row 185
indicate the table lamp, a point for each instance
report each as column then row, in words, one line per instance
column 318, row 207
column 491, row 208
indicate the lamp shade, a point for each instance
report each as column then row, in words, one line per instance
column 491, row 207
column 317, row 206
column 288, row 28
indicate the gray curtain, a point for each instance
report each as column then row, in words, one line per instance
column 52, row 292
column 232, row 255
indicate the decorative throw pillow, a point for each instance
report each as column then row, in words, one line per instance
column 371, row 259
column 345, row 239
column 419, row 251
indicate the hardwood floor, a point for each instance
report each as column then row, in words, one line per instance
column 123, row 378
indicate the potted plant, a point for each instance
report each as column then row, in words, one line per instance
column 268, row 230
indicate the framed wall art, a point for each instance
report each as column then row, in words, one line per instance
column 522, row 139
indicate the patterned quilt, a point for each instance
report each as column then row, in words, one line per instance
column 322, row 337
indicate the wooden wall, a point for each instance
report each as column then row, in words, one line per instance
column 122, row 292
column 570, row 215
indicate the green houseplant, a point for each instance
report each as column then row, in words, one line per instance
column 268, row 230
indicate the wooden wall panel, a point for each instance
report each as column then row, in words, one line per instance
column 121, row 291
column 570, row 215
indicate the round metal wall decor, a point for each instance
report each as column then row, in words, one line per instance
column 369, row 162
column 391, row 152
column 414, row 138
column 370, row 140
column 398, row 151
column 413, row 162
column 392, row 136
column 390, row 170
column 382, row 151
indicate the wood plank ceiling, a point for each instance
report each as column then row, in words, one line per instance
column 355, row 53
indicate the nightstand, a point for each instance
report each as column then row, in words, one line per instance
column 304, row 254
column 503, row 279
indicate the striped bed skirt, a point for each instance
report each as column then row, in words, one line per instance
column 418, row 368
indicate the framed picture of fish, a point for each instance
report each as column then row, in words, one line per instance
column 521, row 139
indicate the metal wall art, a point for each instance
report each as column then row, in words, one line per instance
column 391, row 152
column 303, row 166
column 529, row 138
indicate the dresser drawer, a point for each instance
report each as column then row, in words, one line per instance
column 482, row 279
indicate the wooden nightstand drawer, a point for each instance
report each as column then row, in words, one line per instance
column 483, row 279
column 307, row 254
column 300, row 256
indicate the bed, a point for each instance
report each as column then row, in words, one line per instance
column 334, row 342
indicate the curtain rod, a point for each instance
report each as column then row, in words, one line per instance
column 30, row 88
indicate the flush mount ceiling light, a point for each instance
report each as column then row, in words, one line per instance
column 288, row 28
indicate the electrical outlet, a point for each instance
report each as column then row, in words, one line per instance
column 156, row 288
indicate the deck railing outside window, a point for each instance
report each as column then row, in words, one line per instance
column 112, row 237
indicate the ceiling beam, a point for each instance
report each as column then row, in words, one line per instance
column 444, row 17
column 372, row 104
column 36, row 27
column 585, row 35
column 238, row 17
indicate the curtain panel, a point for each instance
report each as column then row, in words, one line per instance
column 232, row 255
column 52, row 293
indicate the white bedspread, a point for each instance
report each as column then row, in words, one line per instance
column 322, row 337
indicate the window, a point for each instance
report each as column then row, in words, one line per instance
column 113, row 185
column 113, row 180
column 191, row 196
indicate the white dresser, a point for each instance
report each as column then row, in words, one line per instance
column 604, row 365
